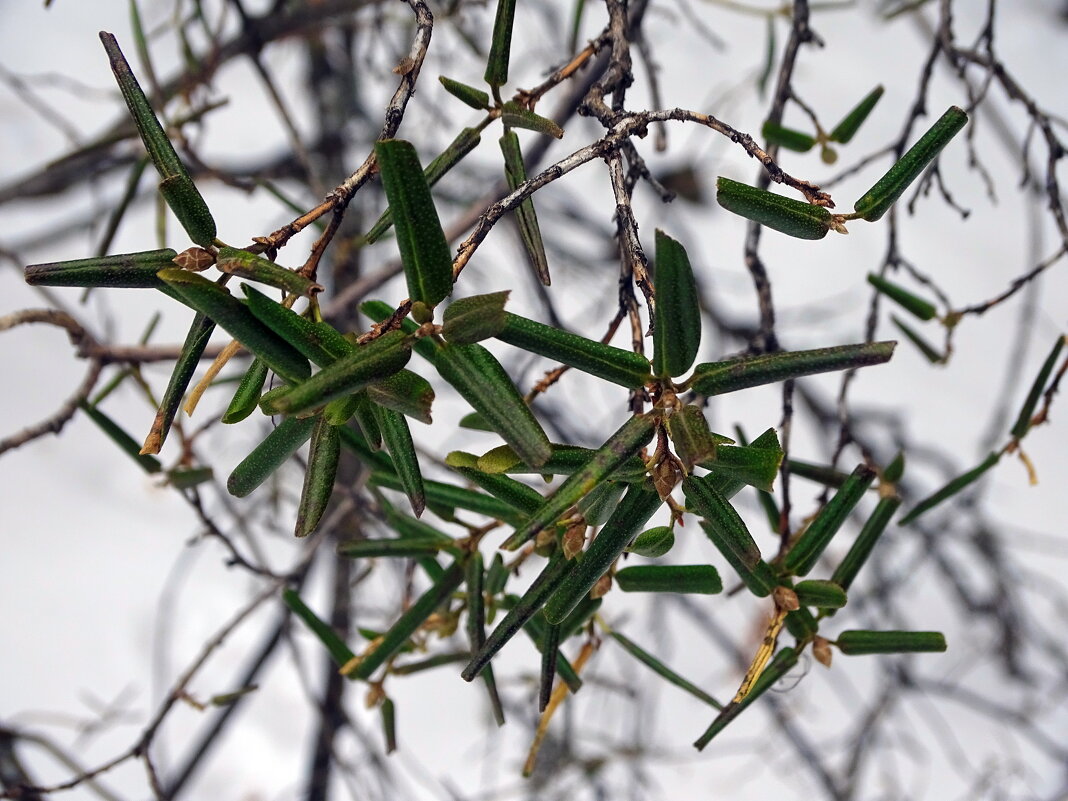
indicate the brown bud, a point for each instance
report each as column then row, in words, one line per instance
column 666, row 474
column 786, row 598
column 821, row 649
column 574, row 540
column 375, row 696
column 194, row 259
column 545, row 542
column 601, row 588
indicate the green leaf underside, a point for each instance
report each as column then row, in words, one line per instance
column 247, row 395
column 526, row 216
column 501, row 44
column 717, row 378
column 319, row 477
column 677, row 329
column 862, row 546
column 820, row 593
column 582, row 572
column 423, row 248
column 613, row 364
column 755, row 465
column 878, row 200
column 621, row 446
column 475, row 98
column 697, row 579
column 519, row 496
column 691, row 437
column 474, row 318
column 256, row 268
column 786, row 215
column 653, row 542
column 398, row 441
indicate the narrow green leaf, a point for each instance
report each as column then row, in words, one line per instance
column 404, row 547
column 475, row 98
column 409, row 622
column 808, row 548
column 200, row 331
column 691, row 437
column 321, row 343
column 379, row 311
column 336, row 647
column 717, row 378
column 364, row 411
column 663, row 670
column 319, row 478
column 188, row 477
column 613, row 364
column 247, row 396
column 448, row 495
column 482, row 382
column 518, row 615
column 256, row 268
column 914, row 304
column 269, row 455
column 537, row 629
column 598, row 504
column 189, row 208
column 464, row 143
column 677, row 326
column 398, row 440
column 694, row 579
column 530, row 232
column 754, row 465
column 653, row 542
column 501, row 46
column 565, row 461
column 475, row 422
column 802, row 624
column 128, row 270
column 730, row 479
column 637, row 506
column 475, row 318
column 787, row 137
column 515, row 115
column 927, row 349
column 820, row 593
column 549, row 652
column 857, row 643
column 371, row 362
column 852, row 121
column 779, row 666
column 404, row 392
column 389, row 724
column 217, row 303
column 476, row 631
column 878, row 200
column 784, row 214
column 864, row 543
column 820, row 473
column 1027, row 411
column 118, row 435
column 519, row 496
column 728, row 532
column 423, row 248
column 950, row 489
column 621, row 446
column 378, row 461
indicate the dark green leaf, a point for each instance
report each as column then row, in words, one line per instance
column 482, row 382
column 929, row 351
column 256, row 268
column 597, row 505
column 247, row 396
column 857, row 643
column 115, row 432
column 404, row 392
column 475, row 98
column 808, row 548
column 852, row 121
column 475, row 318
column 716, row 378
column 755, row 465
column 787, row 137
column 129, row 270
column 677, row 326
column 914, row 304
column 653, row 542
column 519, row 496
column 514, row 115
column 196, row 340
column 786, row 215
column 217, row 303
column 500, row 49
column 581, row 573
column 621, row 446
column 448, row 495
column 699, row 579
column 862, row 546
column 529, row 230
column 950, row 489
column 339, row 652
column 1027, row 411
column 691, row 437
column 269, row 455
column 423, row 248
column 320, row 342
column 190, row 208
column 319, row 478
column 663, row 670
column 878, row 200
column 820, row 593
column 404, row 547
column 398, row 440
column 613, row 364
